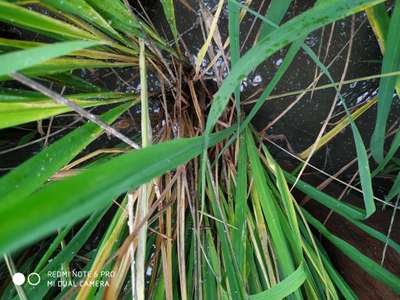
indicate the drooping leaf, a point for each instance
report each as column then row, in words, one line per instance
column 284, row 288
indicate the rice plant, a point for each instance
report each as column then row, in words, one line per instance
column 192, row 205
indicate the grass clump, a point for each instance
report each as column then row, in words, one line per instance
column 196, row 206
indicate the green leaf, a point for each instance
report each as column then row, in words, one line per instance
column 83, row 10
column 395, row 189
column 169, row 12
column 21, row 182
column 105, row 54
column 275, row 13
column 73, row 82
column 19, row 111
column 20, row 60
column 391, row 62
column 341, row 284
column 239, row 236
column 379, row 21
column 55, row 205
column 61, row 65
column 389, row 156
column 284, row 288
column 375, row 234
column 121, row 19
column 287, row 199
column 52, row 248
column 348, row 211
column 19, row 44
column 370, row 266
column 339, row 207
column 270, row 209
column 65, row 256
column 118, row 15
column 236, row 286
column 29, row 19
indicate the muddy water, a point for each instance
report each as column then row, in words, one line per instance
column 302, row 123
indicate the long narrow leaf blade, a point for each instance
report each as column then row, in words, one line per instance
column 29, row 19
column 284, row 288
column 391, row 62
column 20, row 60
column 68, row 201
column 20, row 183
column 363, row 261
column 17, row 112
column 275, row 13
